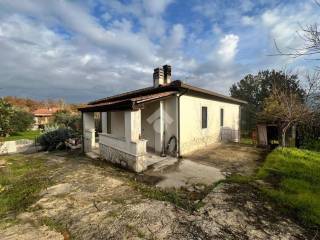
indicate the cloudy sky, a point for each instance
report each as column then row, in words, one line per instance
column 83, row 50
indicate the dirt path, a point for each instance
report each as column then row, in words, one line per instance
column 230, row 158
column 90, row 201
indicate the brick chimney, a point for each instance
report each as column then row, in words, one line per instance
column 158, row 77
column 167, row 74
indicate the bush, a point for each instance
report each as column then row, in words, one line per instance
column 21, row 121
column 13, row 120
column 55, row 139
column 311, row 144
column 64, row 118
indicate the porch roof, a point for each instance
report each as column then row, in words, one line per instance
column 133, row 103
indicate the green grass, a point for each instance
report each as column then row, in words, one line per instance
column 246, row 141
column 295, row 179
column 31, row 135
column 21, row 180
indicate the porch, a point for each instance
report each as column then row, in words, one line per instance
column 132, row 138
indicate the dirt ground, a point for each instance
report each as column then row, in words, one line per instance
column 230, row 158
column 91, row 200
column 204, row 167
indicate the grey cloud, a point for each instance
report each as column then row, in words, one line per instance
column 96, row 60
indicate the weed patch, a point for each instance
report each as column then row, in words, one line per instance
column 294, row 176
column 21, row 181
column 56, row 226
column 182, row 198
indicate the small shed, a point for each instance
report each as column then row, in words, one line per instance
column 269, row 135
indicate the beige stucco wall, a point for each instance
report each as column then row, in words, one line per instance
column 149, row 128
column 117, row 124
column 192, row 135
column 170, row 120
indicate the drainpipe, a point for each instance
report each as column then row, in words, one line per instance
column 178, row 141
column 82, row 130
column 162, row 122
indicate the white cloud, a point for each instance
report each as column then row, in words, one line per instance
column 40, row 63
column 177, row 36
column 246, row 5
column 284, row 22
column 270, row 18
column 228, row 48
column 156, row 6
column 85, row 59
column 154, row 27
column 61, row 49
column 106, row 16
column 248, row 21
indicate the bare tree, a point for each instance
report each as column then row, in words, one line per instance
column 312, row 90
column 286, row 109
column 310, row 35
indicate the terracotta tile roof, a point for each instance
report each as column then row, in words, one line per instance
column 45, row 111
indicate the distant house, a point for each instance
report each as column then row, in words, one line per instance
column 43, row 116
column 170, row 117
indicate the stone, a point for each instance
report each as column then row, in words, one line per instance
column 59, row 189
column 2, row 162
column 135, row 163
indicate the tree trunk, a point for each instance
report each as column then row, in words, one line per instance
column 283, row 135
column 283, row 144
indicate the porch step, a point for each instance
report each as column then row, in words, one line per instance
column 93, row 155
column 162, row 163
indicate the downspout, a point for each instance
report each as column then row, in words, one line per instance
column 163, row 154
column 184, row 92
column 82, row 130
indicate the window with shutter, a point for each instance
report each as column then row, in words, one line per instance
column 221, row 117
column 204, row 117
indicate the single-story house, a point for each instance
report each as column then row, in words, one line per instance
column 170, row 117
column 43, row 116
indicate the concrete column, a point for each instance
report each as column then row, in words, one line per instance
column 159, row 128
column 88, row 120
column 132, row 125
column 89, row 131
column 104, row 120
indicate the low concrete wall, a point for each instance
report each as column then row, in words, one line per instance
column 134, row 163
column 19, row 146
column 136, row 148
column 129, row 155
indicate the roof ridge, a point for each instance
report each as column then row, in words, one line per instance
column 175, row 85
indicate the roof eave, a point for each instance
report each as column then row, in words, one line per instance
column 176, row 85
column 213, row 94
